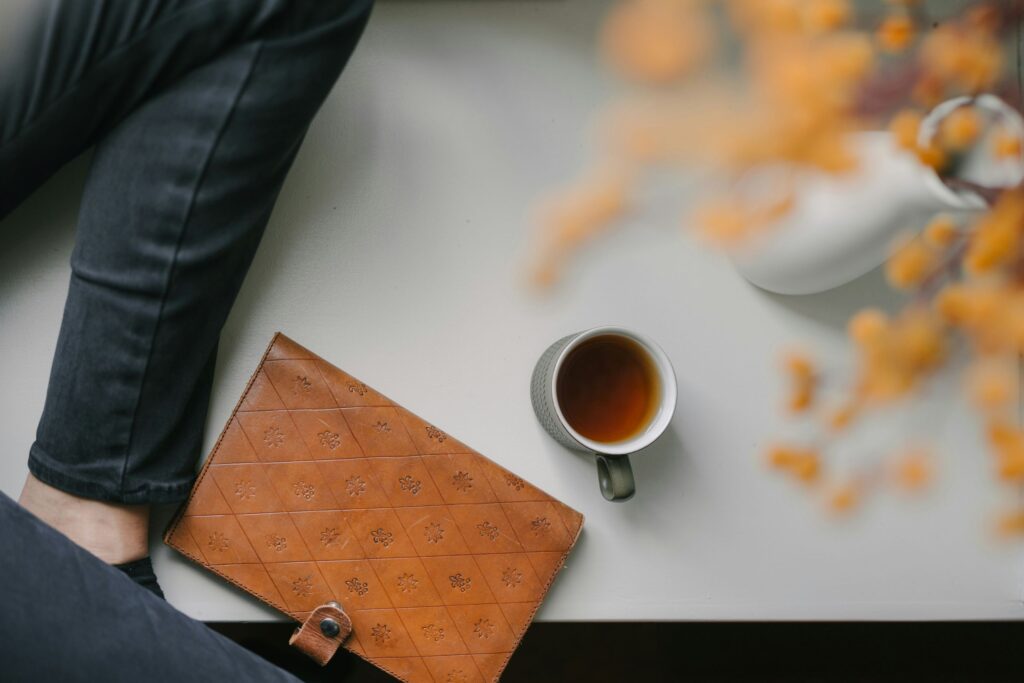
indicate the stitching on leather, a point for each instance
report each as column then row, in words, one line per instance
column 179, row 515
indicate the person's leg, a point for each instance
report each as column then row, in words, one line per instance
column 177, row 198
column 98, row 625
column 72, row 70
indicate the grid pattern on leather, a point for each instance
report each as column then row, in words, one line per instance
column 320, row 488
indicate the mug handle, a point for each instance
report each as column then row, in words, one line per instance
column 615, row 475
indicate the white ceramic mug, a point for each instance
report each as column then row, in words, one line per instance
column 614, row 473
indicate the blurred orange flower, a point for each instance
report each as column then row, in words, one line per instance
column 912, row 470
column 895, row 33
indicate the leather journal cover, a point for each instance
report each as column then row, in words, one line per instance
column 320, row 489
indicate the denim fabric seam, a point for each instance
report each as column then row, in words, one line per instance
column 41, row 467
column 174, row 260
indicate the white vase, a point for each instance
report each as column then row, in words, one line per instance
column 843, row 226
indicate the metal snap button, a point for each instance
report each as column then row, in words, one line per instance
column 329, row 627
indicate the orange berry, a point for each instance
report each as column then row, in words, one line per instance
column 1011, row 465
column 1003, row 436
column 912, row 471
column 868, row 326
column 895, row 33
column 997, row 234
column 953, row 303
column 843, row 498
column 904, row 127
column 799, row 365
column 991, row 384
column 656, row 42
column 963, row 56
column 846, row 57
column 884, row 382
column 933, row 157
column 723, row 222
column 782, row 457
column 920, row 341
column 802, row 463
column 803, row 376
column 799, row 400
column 841, row 417
column 1010, row 523
column 941, row 231
column 960, row 128
column 910, row 263
column 826, row 15
column 1006, row 145
column 807, row 468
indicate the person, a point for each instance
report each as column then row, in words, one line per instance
column 196, row 110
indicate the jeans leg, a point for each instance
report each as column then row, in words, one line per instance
column 68, row 616
column 174, row 207
column 78, row 68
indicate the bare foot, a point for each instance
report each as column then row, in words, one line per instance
column 112, row 532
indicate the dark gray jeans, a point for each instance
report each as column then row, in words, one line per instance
column 197, row 109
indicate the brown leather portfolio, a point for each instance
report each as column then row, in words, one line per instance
column 375, row 529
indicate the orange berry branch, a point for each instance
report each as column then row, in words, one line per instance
column 807, row 77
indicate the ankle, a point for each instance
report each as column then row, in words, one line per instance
column 113, row 532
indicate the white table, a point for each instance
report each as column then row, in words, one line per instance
column 398, row 251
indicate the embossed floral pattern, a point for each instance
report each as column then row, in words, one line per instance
column 514, row 482
column 245, row 489
column 329, row 440
column 487, row 530
column 456, row 676
column 355, row 486
column 273, row 437
column 301, row 384
column 382, row 426
column 408, row 483
column 462, row 583
column 304, row 490
column 382, row 536
column 436, row 434
column 381, row 634
column 218, row 541
column 433, row 632
column 434, row 533
column 303, row 586
column 462, row 481
column 277, row 543
column 357, row 388
column 484, row 628
column 407, row 583
column 329, row 536
column 356, row 586
column 511, row 577
column 540, row 525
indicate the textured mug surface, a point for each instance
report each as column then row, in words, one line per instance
column 542, row 395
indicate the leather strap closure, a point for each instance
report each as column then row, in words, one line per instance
column 322, row 633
